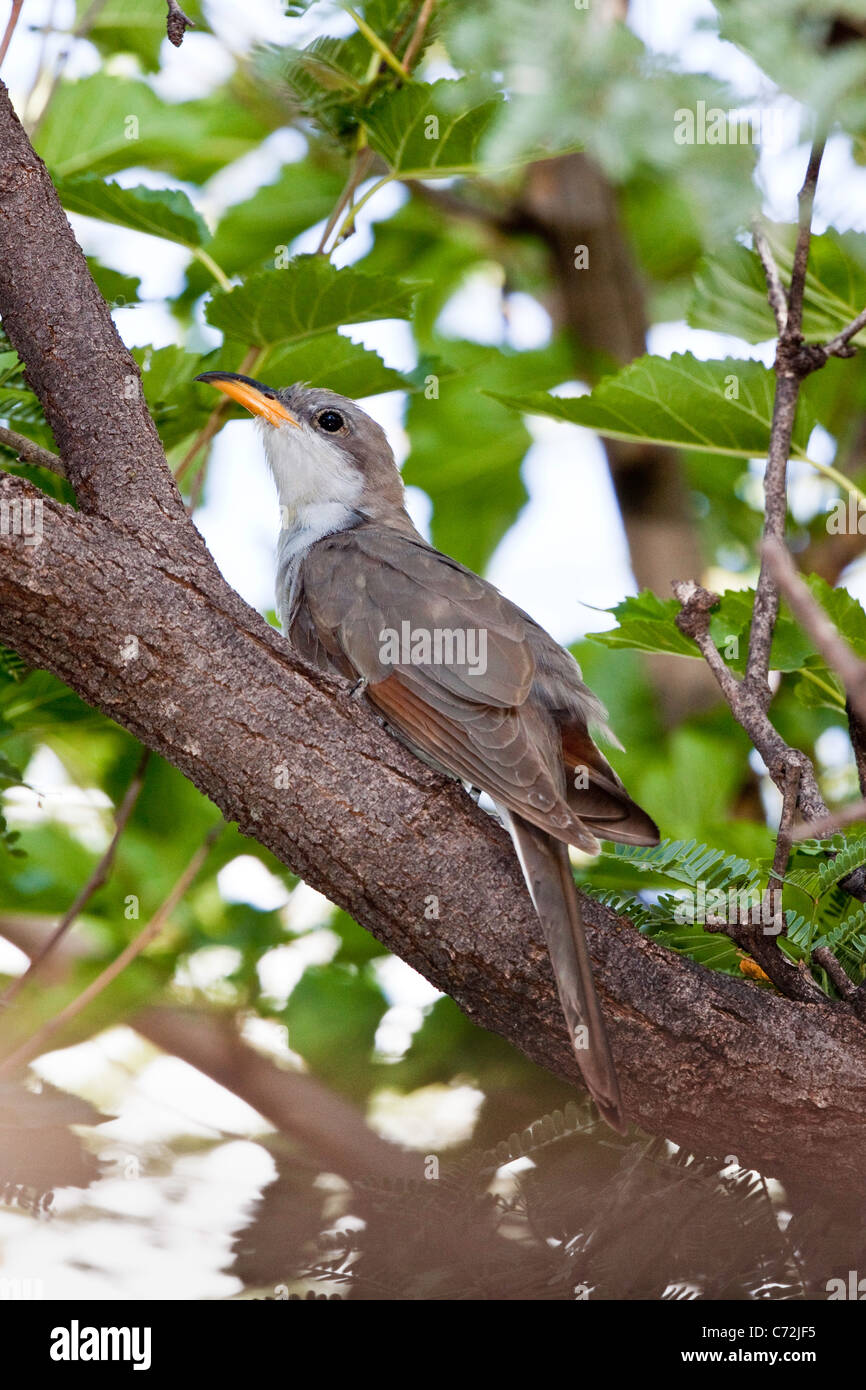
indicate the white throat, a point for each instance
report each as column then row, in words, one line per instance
column 318, row 490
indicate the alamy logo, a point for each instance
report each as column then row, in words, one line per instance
column 76, row 1343
column 22, row 516
column 437, row 646
column 854, row 1289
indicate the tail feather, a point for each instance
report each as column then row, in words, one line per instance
column 547, row 870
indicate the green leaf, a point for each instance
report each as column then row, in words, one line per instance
column 173, row 399
column 730, row 296
column 162, row 212
column 431, row 130
column 731, row 292
column 254, row 231
column 466, row 450
column 10, row 775
column 100, row 124
column 646, row 624
column 308, row 297
column 12, row 668
column 332, row 1016
column 729, row 629
column 331, row 360
column 331, row 77
column 722, row 407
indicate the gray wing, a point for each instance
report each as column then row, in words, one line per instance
column 475, row 719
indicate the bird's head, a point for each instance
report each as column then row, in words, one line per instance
column 322, row 448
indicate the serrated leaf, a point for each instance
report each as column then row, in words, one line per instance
column 161, row 212
column 305, row 299
column 720, row 407
column 730, row 296
column 730, row 293
column 431, row 130
column 646, row 624
column 330, row 360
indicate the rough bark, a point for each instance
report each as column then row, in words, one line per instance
column 122, row 601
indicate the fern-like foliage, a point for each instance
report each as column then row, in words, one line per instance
column 817, row 911
column 12, row 668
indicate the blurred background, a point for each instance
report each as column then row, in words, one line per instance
column 176, row 1180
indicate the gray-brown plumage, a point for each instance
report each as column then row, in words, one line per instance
column 352, row 572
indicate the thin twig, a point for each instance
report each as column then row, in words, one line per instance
column 417, row 38
column 760, row 938
column 805, row 202
column 10, row 28
column 834, row 820
column 92, row 886
column 377, row 43
column 845, row 986
column 790, row 793
column 36, row 1044
column 839, row 346
column 31, row 452
column 857, row 734
column 791, row 366
column 748, row 710
column 776, row 296
column 363, row 160
column 812, row 618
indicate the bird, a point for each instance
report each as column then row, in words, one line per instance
column 453, row 668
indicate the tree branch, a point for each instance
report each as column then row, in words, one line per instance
column 30, row 452
column 791, row 366
column 814, row 621
column 776, row 296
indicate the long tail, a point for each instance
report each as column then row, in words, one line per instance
column 547, row 870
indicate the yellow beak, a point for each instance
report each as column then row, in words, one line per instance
column 252, row 395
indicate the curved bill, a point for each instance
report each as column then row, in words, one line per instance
column 252, row 395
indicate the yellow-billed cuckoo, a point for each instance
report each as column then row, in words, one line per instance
column 459, row 673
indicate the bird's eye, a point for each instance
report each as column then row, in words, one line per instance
column 331, row 421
